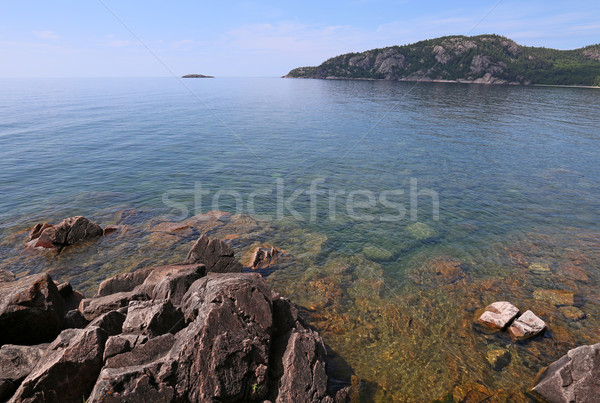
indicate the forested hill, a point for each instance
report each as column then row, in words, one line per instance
column 488, row 59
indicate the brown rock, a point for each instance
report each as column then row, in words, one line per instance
column 123, row 282
column 571, row 312
column 31, row 310
column 526, row 326
column 71, row 298
column 303, row 366
column 215, row 254
column 94, row 307
column 68, row 232
column 69, row 369
column 145, row 374
column 111, row 322
column 573, row 378
column 153, row 318
column 111, row 229
column 171, row 282
column 122, row 343
column 498, row 315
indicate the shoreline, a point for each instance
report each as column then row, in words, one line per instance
column 447, row 82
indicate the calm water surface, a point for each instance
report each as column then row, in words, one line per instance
column 515, row 169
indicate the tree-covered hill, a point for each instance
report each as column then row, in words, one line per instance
column 489, row 59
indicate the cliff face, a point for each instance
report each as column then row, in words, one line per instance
column 481, row 59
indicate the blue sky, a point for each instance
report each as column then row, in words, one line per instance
column 59, row 38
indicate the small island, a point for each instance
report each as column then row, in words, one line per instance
column 196, row 76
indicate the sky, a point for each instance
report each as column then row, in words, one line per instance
column 129, row 38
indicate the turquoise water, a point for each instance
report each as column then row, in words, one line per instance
column 507, row 164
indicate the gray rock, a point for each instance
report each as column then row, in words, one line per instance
column 69, row 369
column 498, row 315
column 16, row 362
column 111, row 322
column 526, row 326
column 573, row 378
column 153, row 318
column 216, row 255
column 31, row 310
column 94, row 307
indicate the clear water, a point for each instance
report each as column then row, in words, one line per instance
column 516, row 171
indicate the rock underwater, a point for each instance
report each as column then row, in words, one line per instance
column 196, row 331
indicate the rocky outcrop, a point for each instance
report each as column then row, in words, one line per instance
column 179, row 335
column 31, row 310
column 573, row 378
column 68, row 232
column 482, row 59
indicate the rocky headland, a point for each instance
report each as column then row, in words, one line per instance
column 483, row 59
column 200, row 330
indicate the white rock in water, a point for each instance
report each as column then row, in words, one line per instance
column 527, row 325
column 498, row 314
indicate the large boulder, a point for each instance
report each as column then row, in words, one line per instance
column 573, row 378
column 31, row 310
column 68, row 371
column 216, row 255
column 68, row 232
column 228, row 342
column 171, row 282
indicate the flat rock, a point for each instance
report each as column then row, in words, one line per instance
column 68, row 370
column 573, row 378
column 555, row 297
column 91, row 308
column 498, row 315
column 216, row 255
column 526, row 326
column 153, row 318
column 31, row 310
column 123, row 282
column 571, row 312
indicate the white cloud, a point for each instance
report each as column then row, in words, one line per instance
column 46, row 34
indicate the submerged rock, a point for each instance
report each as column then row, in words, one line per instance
column 498, row 315
column 498, row 358
column 573, row 378
column 555, row 297
column 526, row 326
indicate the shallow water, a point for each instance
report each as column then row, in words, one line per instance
column 515, row 170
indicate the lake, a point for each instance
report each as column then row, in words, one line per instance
column 403, row 208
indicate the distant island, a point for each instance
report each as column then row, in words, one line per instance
column 196, row 76
column 486, row 59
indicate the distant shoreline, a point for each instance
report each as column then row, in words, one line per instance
column 196, row 76
column 445, row 82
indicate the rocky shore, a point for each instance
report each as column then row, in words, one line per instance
column 200, row 330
